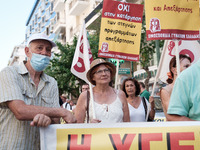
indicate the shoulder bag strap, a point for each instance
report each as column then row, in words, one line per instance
column 145, row 106
column 87, row 109
column 65, row 105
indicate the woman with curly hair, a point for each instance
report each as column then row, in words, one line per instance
column 140, row 110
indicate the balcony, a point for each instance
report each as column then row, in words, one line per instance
column 76, row 7
column 60, row 37
column 60, row 26
column 59, row 5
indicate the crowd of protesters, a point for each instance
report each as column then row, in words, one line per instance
column 29, row 98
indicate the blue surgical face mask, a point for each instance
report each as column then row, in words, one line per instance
column 39, row 62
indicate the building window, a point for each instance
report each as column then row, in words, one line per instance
column 33, row 23
column 36, row 18
column 43, row 19
column 30, row 28
column 51, row 6
column 58, row 16
column 47, row 30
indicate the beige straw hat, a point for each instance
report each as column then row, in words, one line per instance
column 96, row 63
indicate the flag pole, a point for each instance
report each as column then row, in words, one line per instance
column 92, row 101
column 88, row 67
column 159, row 68
column 116, row 75
column 177, row 58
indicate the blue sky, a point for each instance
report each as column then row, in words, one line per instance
column 14, row 15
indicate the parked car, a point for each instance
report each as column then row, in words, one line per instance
column 159, row 115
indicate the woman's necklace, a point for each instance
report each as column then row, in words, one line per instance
column 134, row 102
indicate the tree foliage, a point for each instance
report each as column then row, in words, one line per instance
column 60, row 66
column 60, row 69
column 94, row 44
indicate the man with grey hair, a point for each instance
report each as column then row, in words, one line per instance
column 29, row 98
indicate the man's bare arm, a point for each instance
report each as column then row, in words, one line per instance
column 28, row 112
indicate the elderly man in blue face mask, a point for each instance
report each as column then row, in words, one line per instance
column 29, row 98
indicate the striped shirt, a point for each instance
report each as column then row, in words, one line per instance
column 16, row 84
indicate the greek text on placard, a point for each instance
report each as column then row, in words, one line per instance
column 177, row 9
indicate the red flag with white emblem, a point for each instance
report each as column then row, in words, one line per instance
column 82, row 56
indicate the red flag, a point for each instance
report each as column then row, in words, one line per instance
column 82, row 56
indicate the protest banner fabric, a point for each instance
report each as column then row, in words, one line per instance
column 189, row 48
column 120, row 30
column 123, row 136
column 82, row 56
column 172, row 19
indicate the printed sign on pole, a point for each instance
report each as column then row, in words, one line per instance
column 120, row 30
column 172, row 19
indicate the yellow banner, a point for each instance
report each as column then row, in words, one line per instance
column 123, row 136
column 172, row 19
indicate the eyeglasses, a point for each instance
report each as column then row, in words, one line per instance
column 100, row 72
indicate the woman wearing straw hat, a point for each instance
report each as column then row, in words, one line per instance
column 109, row 105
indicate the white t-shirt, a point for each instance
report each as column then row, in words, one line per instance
column 67, row 106
column 137, row 114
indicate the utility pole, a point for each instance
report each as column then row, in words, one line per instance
column 157, row 51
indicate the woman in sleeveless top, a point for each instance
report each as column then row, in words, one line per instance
column 110, row 105
column 166, row 91
column 136, row 103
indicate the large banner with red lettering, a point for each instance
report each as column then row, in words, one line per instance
column 122, row 136
column 172, row 19
column 189, row 48
column 120, row 30
column 82, row 56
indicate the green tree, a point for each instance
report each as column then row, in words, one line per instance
column 60, row 69
column 94, row 44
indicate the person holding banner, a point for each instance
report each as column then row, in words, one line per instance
column 139, row 108
column 165, row 92
column 110, row 105
column 29, row 98
column 185, row 98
